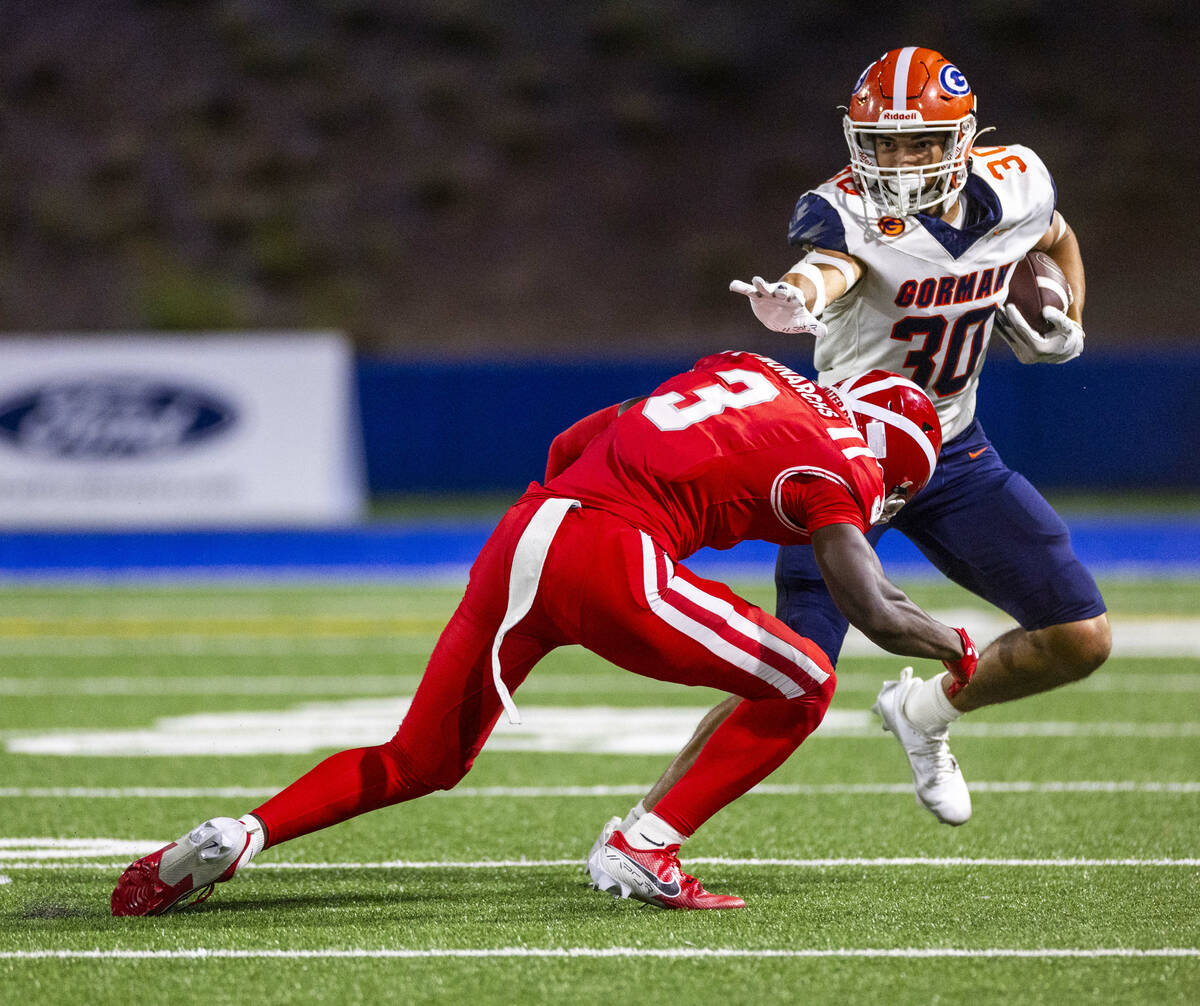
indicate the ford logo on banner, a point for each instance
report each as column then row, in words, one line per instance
column 93, row 418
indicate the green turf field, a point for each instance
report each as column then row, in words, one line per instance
column 1077, row 880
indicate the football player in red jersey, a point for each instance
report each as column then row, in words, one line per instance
column 739, row 447
column 907, row 253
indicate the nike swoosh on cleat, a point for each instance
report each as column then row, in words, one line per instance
column 974, row 454
column 671, row 890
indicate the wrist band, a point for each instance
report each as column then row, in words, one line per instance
column 811, row 273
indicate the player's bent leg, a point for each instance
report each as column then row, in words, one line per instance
column 1017, row 664
column 1021, row 663
column 803, row 604
column 678, row 627
column 989, row 530
column 452, row 714
column 744, row 749
column 454, row 710
column 601, row 880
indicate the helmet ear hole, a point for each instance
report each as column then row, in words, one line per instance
column 876, row 434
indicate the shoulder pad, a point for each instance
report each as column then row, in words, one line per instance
column 1019, row 179
column 1014, row 168
column 815, row 222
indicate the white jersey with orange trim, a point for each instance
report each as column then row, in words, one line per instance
column 924, row 306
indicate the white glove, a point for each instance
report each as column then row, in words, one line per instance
column 1062, row 343
column 779, row 306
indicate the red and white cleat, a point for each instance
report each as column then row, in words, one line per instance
column 655, row 877
column 209, row 854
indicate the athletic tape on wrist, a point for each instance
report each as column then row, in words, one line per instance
column 811, row 273
column 840, row 264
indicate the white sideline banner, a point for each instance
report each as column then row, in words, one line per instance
column 198, row 430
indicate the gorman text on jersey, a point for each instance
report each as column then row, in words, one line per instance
column 940, row 291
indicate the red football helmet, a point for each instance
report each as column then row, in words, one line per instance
column 910, row 90
column 900, row 425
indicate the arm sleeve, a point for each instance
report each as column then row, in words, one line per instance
column 569, row 444
column 812, row 502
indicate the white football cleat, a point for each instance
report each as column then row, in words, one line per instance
column 209, row 854
column 939, row 781
column 601, row 879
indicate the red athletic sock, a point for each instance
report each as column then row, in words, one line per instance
column 756, row 738
column 343, row 786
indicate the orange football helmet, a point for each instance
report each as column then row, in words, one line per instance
column 910, row 90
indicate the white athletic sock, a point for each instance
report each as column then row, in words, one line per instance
column 257, row 838
column 927, row 707
column 632, row 818
column 652, row 832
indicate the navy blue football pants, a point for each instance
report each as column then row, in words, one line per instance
column 981, row 524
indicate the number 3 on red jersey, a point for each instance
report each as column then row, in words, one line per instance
column 666, row 412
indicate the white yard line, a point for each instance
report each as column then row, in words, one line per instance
column 201, row 645
column 404, row 953
column 132, row 848
column 559, row 792
column 879, row 861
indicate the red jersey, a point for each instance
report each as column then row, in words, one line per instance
column 707, row 460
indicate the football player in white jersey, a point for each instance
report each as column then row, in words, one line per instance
column 907, row 254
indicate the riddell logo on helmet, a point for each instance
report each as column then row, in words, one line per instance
column 891, row 115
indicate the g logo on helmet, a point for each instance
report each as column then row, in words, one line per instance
column 891, row 226
column 952, row 81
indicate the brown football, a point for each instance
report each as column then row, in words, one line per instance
column 1038, row 282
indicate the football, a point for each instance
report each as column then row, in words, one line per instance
column 1038, row 282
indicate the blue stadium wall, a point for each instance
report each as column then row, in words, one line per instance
column 1116, row 420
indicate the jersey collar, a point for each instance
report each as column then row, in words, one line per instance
column 981, row 215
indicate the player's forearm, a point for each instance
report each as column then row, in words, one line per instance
column 835, row 273
column 1064, row 249
column 901, row 627
column 875, row 606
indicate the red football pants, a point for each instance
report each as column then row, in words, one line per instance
column 595, row 580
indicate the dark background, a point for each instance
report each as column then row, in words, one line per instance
column 464, row 178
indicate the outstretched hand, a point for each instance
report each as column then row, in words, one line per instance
column 780, row 306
